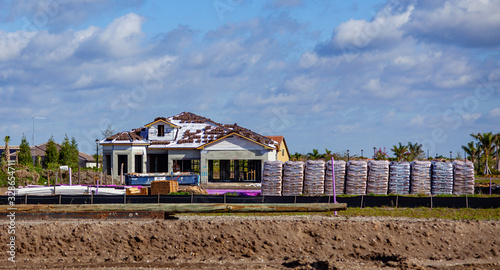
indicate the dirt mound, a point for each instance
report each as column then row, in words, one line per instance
column 284, row 242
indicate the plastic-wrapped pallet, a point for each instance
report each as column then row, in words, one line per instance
column 463, row 178
column 314, row 180
column 442, row 178
column 357, row 173
column 293, row 178
column 399, row 177
column 272, row 178
column 339, row 167
column 378, row 177
column 421, row 175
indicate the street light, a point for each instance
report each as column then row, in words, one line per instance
column 374, row 151
column 347, row 154
column 451, row 155
column 97, row 153
column 361, row 152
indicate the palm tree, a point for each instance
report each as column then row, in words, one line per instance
column 486, row 141
column 400, row 151
column 415, row 151
column 296, row 156
column 314, row 155
column 472, row 150
column 7, row 149
column 328, row 154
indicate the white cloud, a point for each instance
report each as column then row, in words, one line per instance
column 495, row 112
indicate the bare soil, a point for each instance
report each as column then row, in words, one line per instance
column 255, row 242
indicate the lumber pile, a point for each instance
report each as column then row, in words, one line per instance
column 272, row 178
column 293, row 178
column 132, row 191
column 442, row 178
column 314, row 181
column 357, row 173
column 399, row 177
column 421, row 175
column 463, row 174
column 339, row 169
column 164, row 187
column 378, row 177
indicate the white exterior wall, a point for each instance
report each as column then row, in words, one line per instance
column 169, row 132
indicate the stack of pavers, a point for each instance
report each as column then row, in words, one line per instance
column 293, row 178
column 378, row 177
column 463, row 178
column 356, row 177
column 421, row 175
column 442, row 178
column 339, row 177
column 399, row 177
column 272, row 178
column 314, row 181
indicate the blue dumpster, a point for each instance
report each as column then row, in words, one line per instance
column 145, row 179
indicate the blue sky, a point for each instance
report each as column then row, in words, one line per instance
column 325, row 74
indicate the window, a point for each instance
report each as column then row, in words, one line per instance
column 108, row 164
column 187, row 165
column 122, row 159
column 161, row 130
column 282, row 152
column 138, row 163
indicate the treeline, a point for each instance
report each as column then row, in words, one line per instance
column 409, row 152
column 54, row 157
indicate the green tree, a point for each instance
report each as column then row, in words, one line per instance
column 6, row 151
column 472, row 150
column 65, row 152
column 486, row 141
column 497, row 145
column 415, row 151
column 314, row 155
column 51, row 154
column 400, row 151
column 296, row 156
column 74, row 153
column 24, row 154
column 328, row 154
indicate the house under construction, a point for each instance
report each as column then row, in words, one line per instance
column 191, row 143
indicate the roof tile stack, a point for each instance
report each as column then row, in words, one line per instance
column 293, row 178
column 272, row 178
column 356, row 177
column 442, row 178
column 314, row 181
column 339, row 168
column 399, row 177
column 421, row 175
column 463, row 174
column 378, row 177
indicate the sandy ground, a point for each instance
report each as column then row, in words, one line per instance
column 229, row 242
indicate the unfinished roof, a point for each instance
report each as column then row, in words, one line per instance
column 192, row 130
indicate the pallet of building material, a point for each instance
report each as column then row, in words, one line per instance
column 463, row 177
column 164, row 187
column 314, row 179
column 144, row 191
column 293, row 178
column 132, row 191
column 357, row 173
column 442, row 178
column 399, row 177
column 272, row 178
column 420, row 177
column 378, row 177
column 339, row 168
